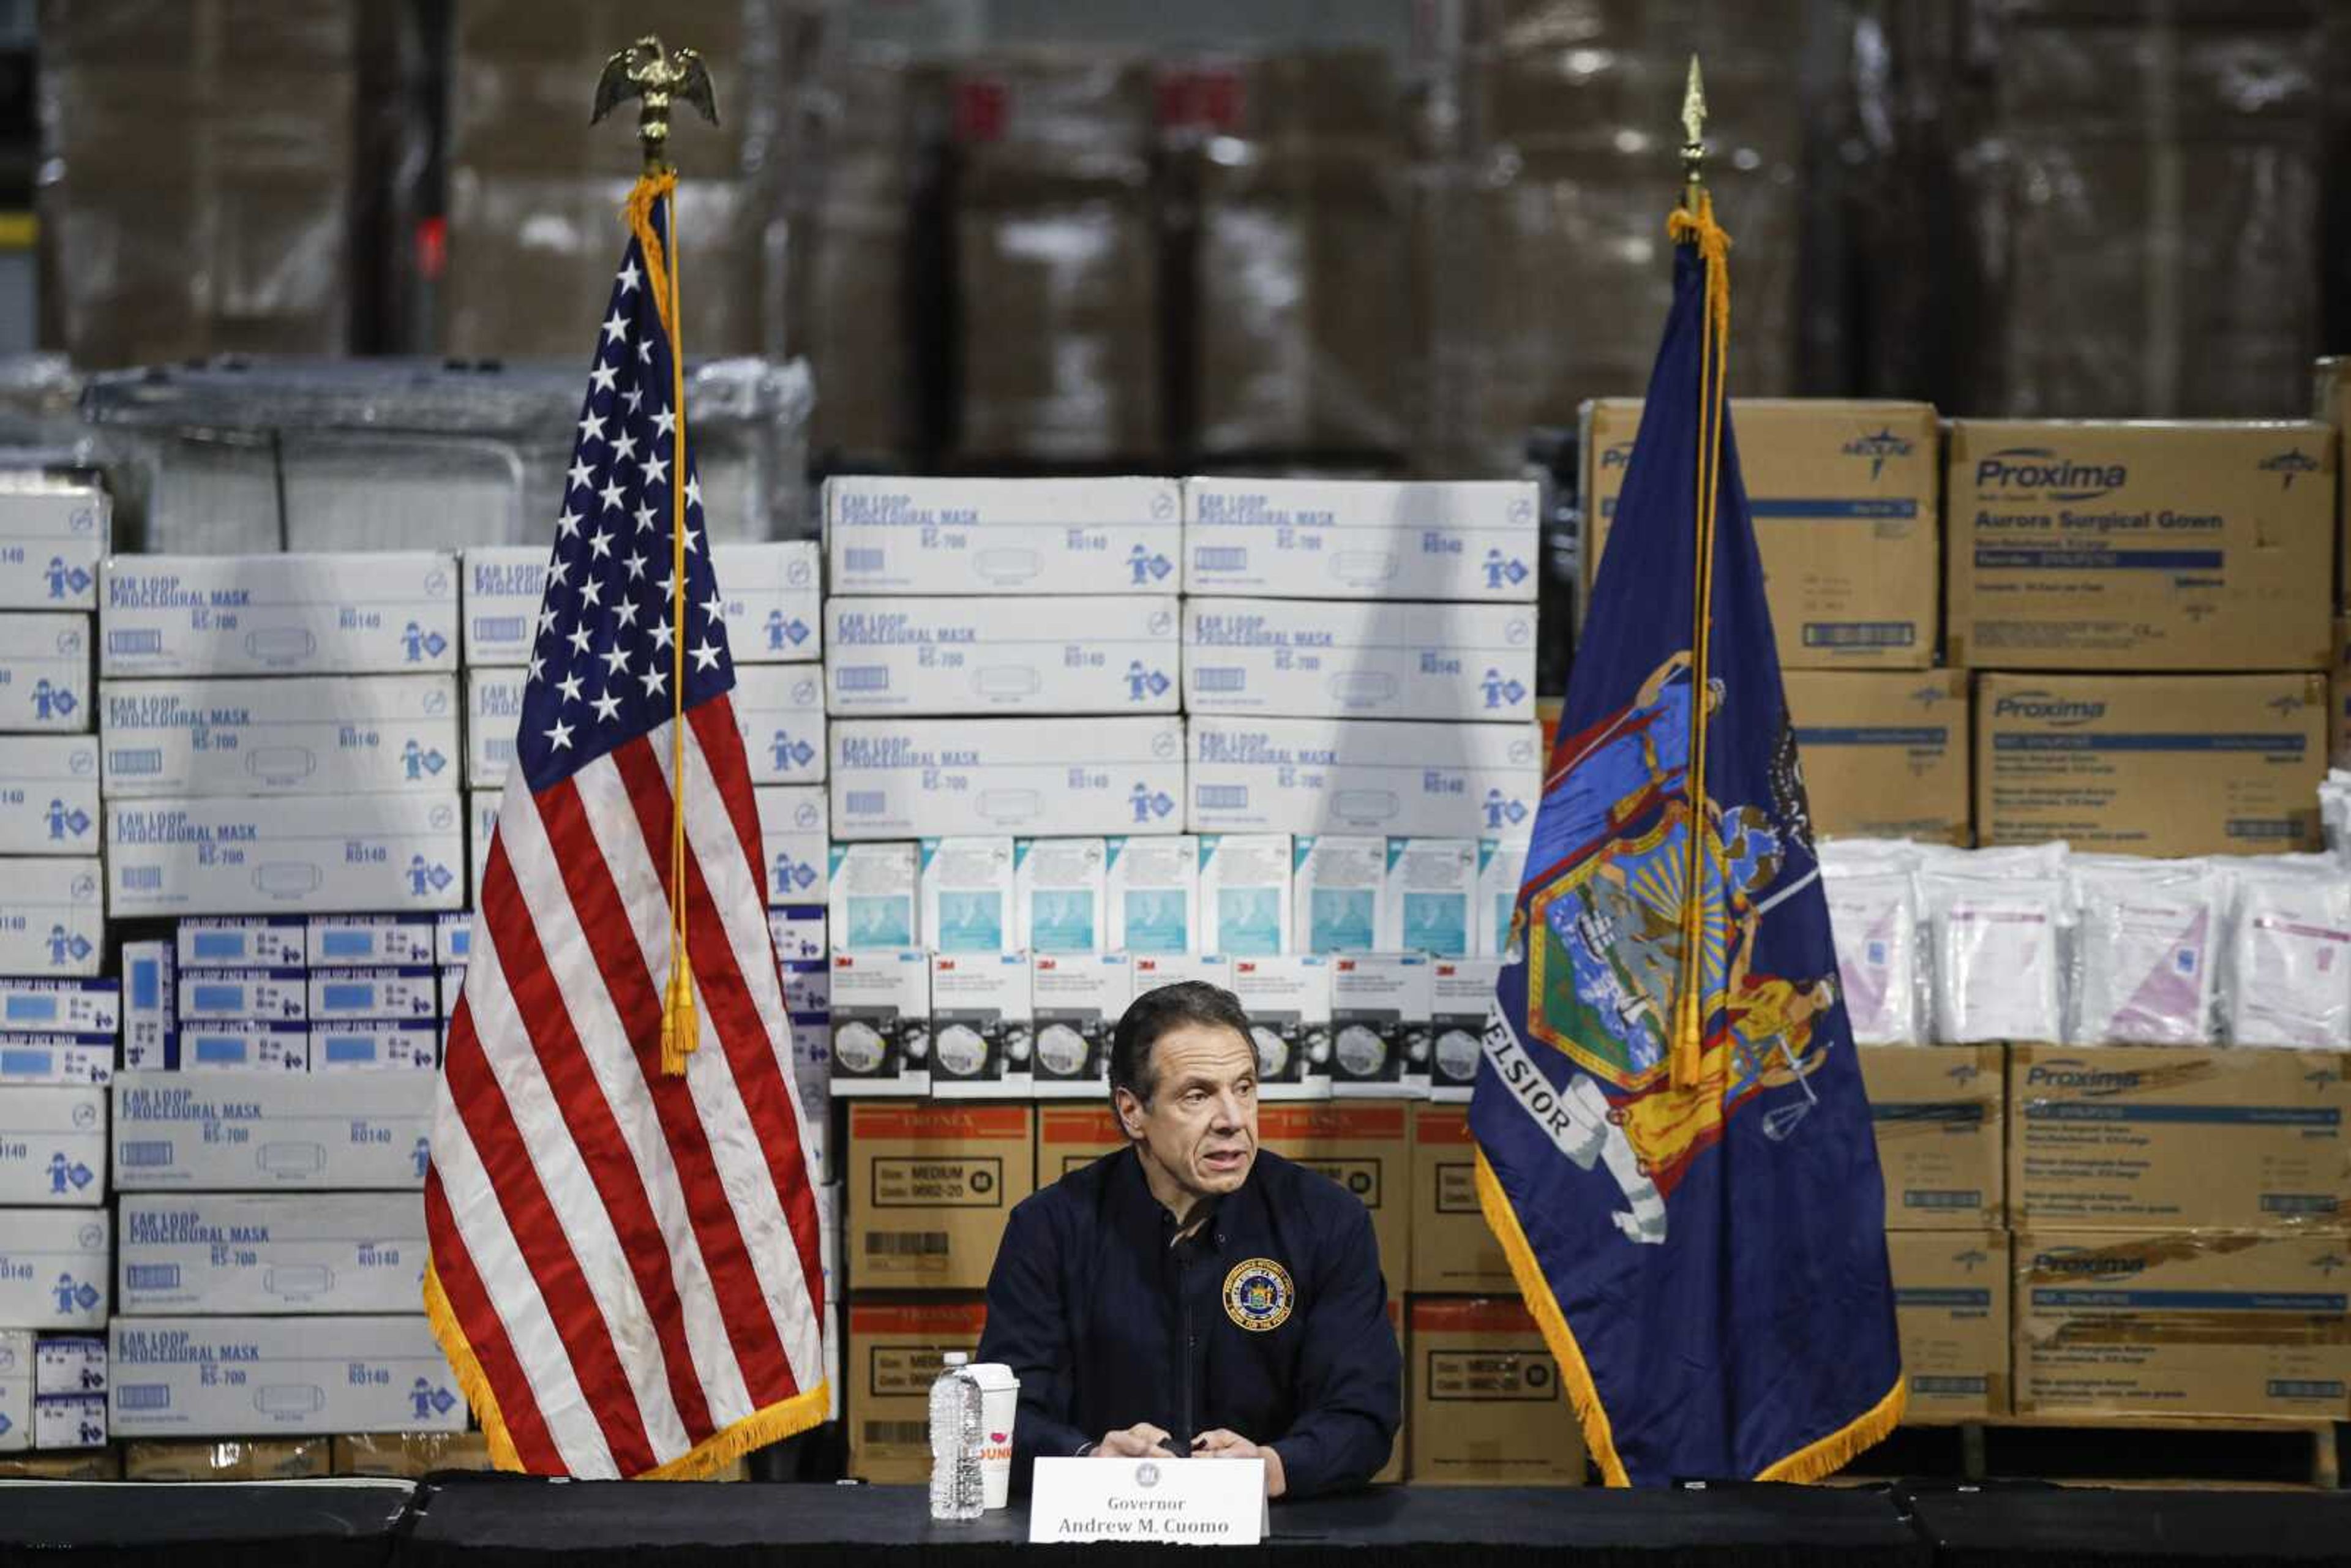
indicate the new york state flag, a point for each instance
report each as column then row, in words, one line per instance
column 1674, row 1146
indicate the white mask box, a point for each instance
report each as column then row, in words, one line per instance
column 891, row 534
column 318, row 735
column 881, row 1011
column 1470, row 540
column 375, row 613
column 981, row 1030
column 48, row 795
column 1363, row 775
column 1077, row 999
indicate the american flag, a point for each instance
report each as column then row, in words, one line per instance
column 625, row 1264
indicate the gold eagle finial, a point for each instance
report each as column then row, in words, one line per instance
column 656, row 77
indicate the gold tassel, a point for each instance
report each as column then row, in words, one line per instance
column 681, row 1028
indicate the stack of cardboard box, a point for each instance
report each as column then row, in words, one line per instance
column 532, row 197
column 55, row 1271
column 1057, row 256
column 2332, row 407
column 1941, row 1133
column 199, row 177
column 1295, row 304
column 2180, row 1229
column 280, row 735
column 52, row 537
column 269, row 1269
column 1487, row 1406
column 2146, row 608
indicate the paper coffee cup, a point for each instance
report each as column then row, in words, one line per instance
column 999, row 1402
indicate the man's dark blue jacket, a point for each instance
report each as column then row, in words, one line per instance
column 1106, row 1324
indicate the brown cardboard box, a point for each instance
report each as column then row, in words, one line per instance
column 267, row 1459
column 410, row 1455
column 1071, row 1137
column 930, row 1187
column 1951, row 1302
column 2334, row 407
column 1937, row 1112
column 1885, row 752
column 1844, row 496
column 1394, row 1470
column 1057, row 263
column 2338, row 691
column 2147, row 1138
column 1364, row 1146
column 2151, row 546
column 83, row 1465
column 1488, row 1407
column 1303, row 297
column 1452, row 1250
column 2180, row 1322
column 2151, row 765
column 895, row 1355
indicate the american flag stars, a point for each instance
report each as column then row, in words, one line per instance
column 603, row 667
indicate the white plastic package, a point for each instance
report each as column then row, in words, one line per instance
column 1997, row 946
column 1859, row 856
column 2288, row 977
column 2335, row 813
column 2146, row 938
column 1874, row 916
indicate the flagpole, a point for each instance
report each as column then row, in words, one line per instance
column 656, row 75
column 1693, row 139
column 1687, row 1048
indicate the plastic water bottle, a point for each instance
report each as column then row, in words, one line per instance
column 955, row 1486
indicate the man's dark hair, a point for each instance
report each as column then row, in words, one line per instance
column 1153, row 1014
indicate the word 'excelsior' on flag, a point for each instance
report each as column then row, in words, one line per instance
column 1674, row 1146
column 624, row 1266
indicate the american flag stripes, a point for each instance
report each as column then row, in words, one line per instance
column 624, row 1266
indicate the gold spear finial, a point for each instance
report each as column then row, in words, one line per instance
column 655, row 76
column 1693, row 137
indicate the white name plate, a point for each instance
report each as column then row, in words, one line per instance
column 1181, row 1502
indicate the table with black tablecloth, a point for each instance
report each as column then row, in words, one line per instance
column 511, row 1522
column 2028, row 1524
column 601, row 1525
column 281, row 1524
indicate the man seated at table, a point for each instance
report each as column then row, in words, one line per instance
column 1191, row 1294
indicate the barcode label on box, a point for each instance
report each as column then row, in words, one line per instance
column 868, row 802
column 142, row 1396
column 1860, row 634
column 904, row 1433
column 1223, row 796
column 154, row 1276
column 155, row 1152
column 866, row 560
column 1220, row 680
column 131, row 762
column 1211, row 557
column 906, row 1244
column 135, row 641
column 862, row 677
